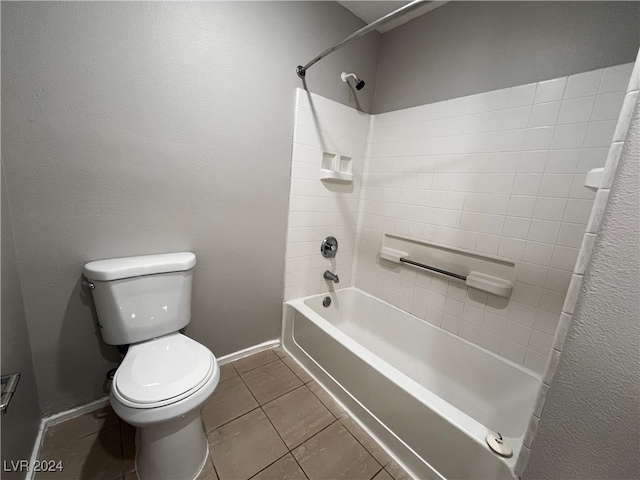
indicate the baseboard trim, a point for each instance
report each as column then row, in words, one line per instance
column 55, row 419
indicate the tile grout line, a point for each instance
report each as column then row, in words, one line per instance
column 274, row 427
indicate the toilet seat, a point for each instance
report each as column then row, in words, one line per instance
column 162, row 371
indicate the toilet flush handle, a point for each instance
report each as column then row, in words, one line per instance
column 88, row 284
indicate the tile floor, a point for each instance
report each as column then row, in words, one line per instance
column 267, row 419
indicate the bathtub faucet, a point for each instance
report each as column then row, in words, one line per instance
column 331, row 276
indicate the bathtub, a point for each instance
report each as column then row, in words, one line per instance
column 428, row 396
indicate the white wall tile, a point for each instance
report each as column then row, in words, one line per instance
column 562, row 161
column 535, row 361
column 544, row 114
column 556, row 185
column 583, row 84
column 516, row 227
column 548, row 208
column 569, row 136
column 500, row 173
column 538, row 138
column 564, row 258
column 521, row 95
column 527, row 184
column 577, row 210
column 550, row 90
column 538, row 253
column 543, row 231
column 532, row 274
column 599, row 133
column 576, row 110
column 608, row 106
column 521, row 206
column 546, row 322
column 616, row 78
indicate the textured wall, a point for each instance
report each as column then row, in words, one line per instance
column 464, row 48
column 20, row 424
column 135, row 128
column 591, row 418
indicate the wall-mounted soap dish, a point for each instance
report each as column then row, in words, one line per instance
column 336, row 168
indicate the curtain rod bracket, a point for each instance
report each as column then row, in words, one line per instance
column 301, row 71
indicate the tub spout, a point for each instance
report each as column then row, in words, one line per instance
column 331, row 276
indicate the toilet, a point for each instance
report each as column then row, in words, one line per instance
column 165, row 376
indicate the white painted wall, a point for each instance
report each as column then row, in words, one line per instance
column 591, row 418
column 134, row 128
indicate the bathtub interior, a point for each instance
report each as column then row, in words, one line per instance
column 351, row 348
column 490, row 389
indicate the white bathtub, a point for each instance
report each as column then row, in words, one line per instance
column 429, row 396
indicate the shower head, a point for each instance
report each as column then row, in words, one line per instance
column 359, row 83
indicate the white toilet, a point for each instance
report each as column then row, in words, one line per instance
column 165, row 377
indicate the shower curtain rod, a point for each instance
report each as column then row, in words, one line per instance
column 410, row 7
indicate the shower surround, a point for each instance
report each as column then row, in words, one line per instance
column 500, row 173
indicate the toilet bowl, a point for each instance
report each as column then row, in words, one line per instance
column 165, row 376
column 160, row 388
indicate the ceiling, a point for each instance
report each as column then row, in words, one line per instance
column 370, row 11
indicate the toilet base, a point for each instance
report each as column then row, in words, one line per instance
column 175, row 450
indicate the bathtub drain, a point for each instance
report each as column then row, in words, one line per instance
column 498, row 445
column 326, row 302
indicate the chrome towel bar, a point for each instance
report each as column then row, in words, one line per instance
column 434, row 269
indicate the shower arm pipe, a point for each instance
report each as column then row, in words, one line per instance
column 410, row 7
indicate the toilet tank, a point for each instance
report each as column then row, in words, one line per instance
column 139, row 298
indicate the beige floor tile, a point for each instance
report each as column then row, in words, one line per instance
column 397, row 472
column 279, row 352
column 284, row 469
column 93, row 457
column 270, row 381
column 86, row 424
column 131, row 476
column 298, row 416
column 367, row 442
column 208, row 472
column 245, row 446
column 227, row 371
column 297, row 369
column 383, row 475
column 256, row 360
column 334, row 454
column 326, row 399
column 229, row 400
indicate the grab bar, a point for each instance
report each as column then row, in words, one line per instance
column 433, row 269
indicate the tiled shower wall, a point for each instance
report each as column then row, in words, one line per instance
column 321, row 208
column 500, row 173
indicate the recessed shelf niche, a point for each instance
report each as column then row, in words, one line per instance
column 336, row 168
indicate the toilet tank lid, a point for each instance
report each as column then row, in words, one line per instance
column 127, row 267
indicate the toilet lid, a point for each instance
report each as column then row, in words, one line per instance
column 162, row 369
